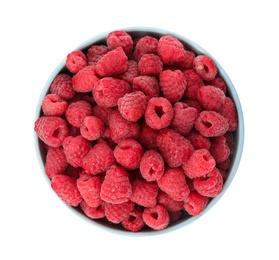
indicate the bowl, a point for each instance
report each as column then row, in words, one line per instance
column 238, row 134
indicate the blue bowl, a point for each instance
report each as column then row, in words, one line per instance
column 238, row 135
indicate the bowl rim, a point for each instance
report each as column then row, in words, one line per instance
column 239, row 133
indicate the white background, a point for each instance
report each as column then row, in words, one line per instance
column 37, row 35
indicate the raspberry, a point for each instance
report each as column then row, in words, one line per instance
column 54, row 105
column 98, row 159
column 93, row 212
column 103, row 113
column 144, row 193
column 187, row 63
column 89, row 187
column 92, row 128
column 152, row 166
column 175, row 215
column 173, row 84
column 198, row 141
column 146, row 44
column 107, row 91
column 73, row 172
column 134, row 221
column 85, row 79
column 195, row 203
column 194, row 83
column 131, row 73
column 62, row 86
column 169, row 203
column 218, row 83
column 95, row 53
column 112, row 63
column 150, row 65
column 75, row 149
column 120, row 39
column 174, row 148
column 183, row 118
column 116, row 213
column 211, row 98
column 77, row 111
column 51, row 130
column 158, row 113
column 229, row 112
column 56, row 162
column 199, row 164
column 194, row 103
column 128, row 153
column 174, row 184
column 211, row 185
column 148, row 136
column 132, row 105
column 171, row 50
column 120, row 128
column 211, row 123
column 66, row 188
column 75, row 61
column 116, row 187
column 156, row 217
column 224, row 165
column 219, row 149
column 148, row 85
column 205, row 66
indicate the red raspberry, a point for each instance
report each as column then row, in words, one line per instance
column 225, row 165
column 219, row 149
column 146, row 44
column 174, row 148
column 66, row 188
column 132, row 105
column 120, row 39
column 187, row 63
column 194, row 103
column 150, row 65
column 85, row 79
column 116, row 187
column 73, row 172
column 229, row 112
column 174, row 184
column 98, row 159
column 131, row 73
column 195, row 203
column 107, row 91
column 56, row 162
column 51, row 130
column 144, row 193
column 158, row 113
column 194, row 83
column 93, row 212
column 92, row 128
column 199, row 164
column 156, row 217
column 205, row 66
column 211, row 123
column 134, row 221
column 75, row 149
column 90, row 187
column 54, row 105
column 152, row 166
column 211, row 98
column 77, row 111
column 116, row 213
column 103, row 113
column 128, row 153
column 148, row 136
column 75, row 61
column 148, row 85
column 218, row 83
column 62, row 86
column 120, row 128
column 198, row 141
column 171, row 50
column 211, row 185
column 169, row 203
column 95, row 53
column 183, row 118
column 112, row 63
column 173, row 84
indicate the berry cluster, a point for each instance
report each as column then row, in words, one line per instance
column 137, row 131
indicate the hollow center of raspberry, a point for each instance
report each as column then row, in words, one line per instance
column 159, row 111
column 207, row 124
column 56, row 133
column 206, row 69
column 154, row 215
column 132, row 218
